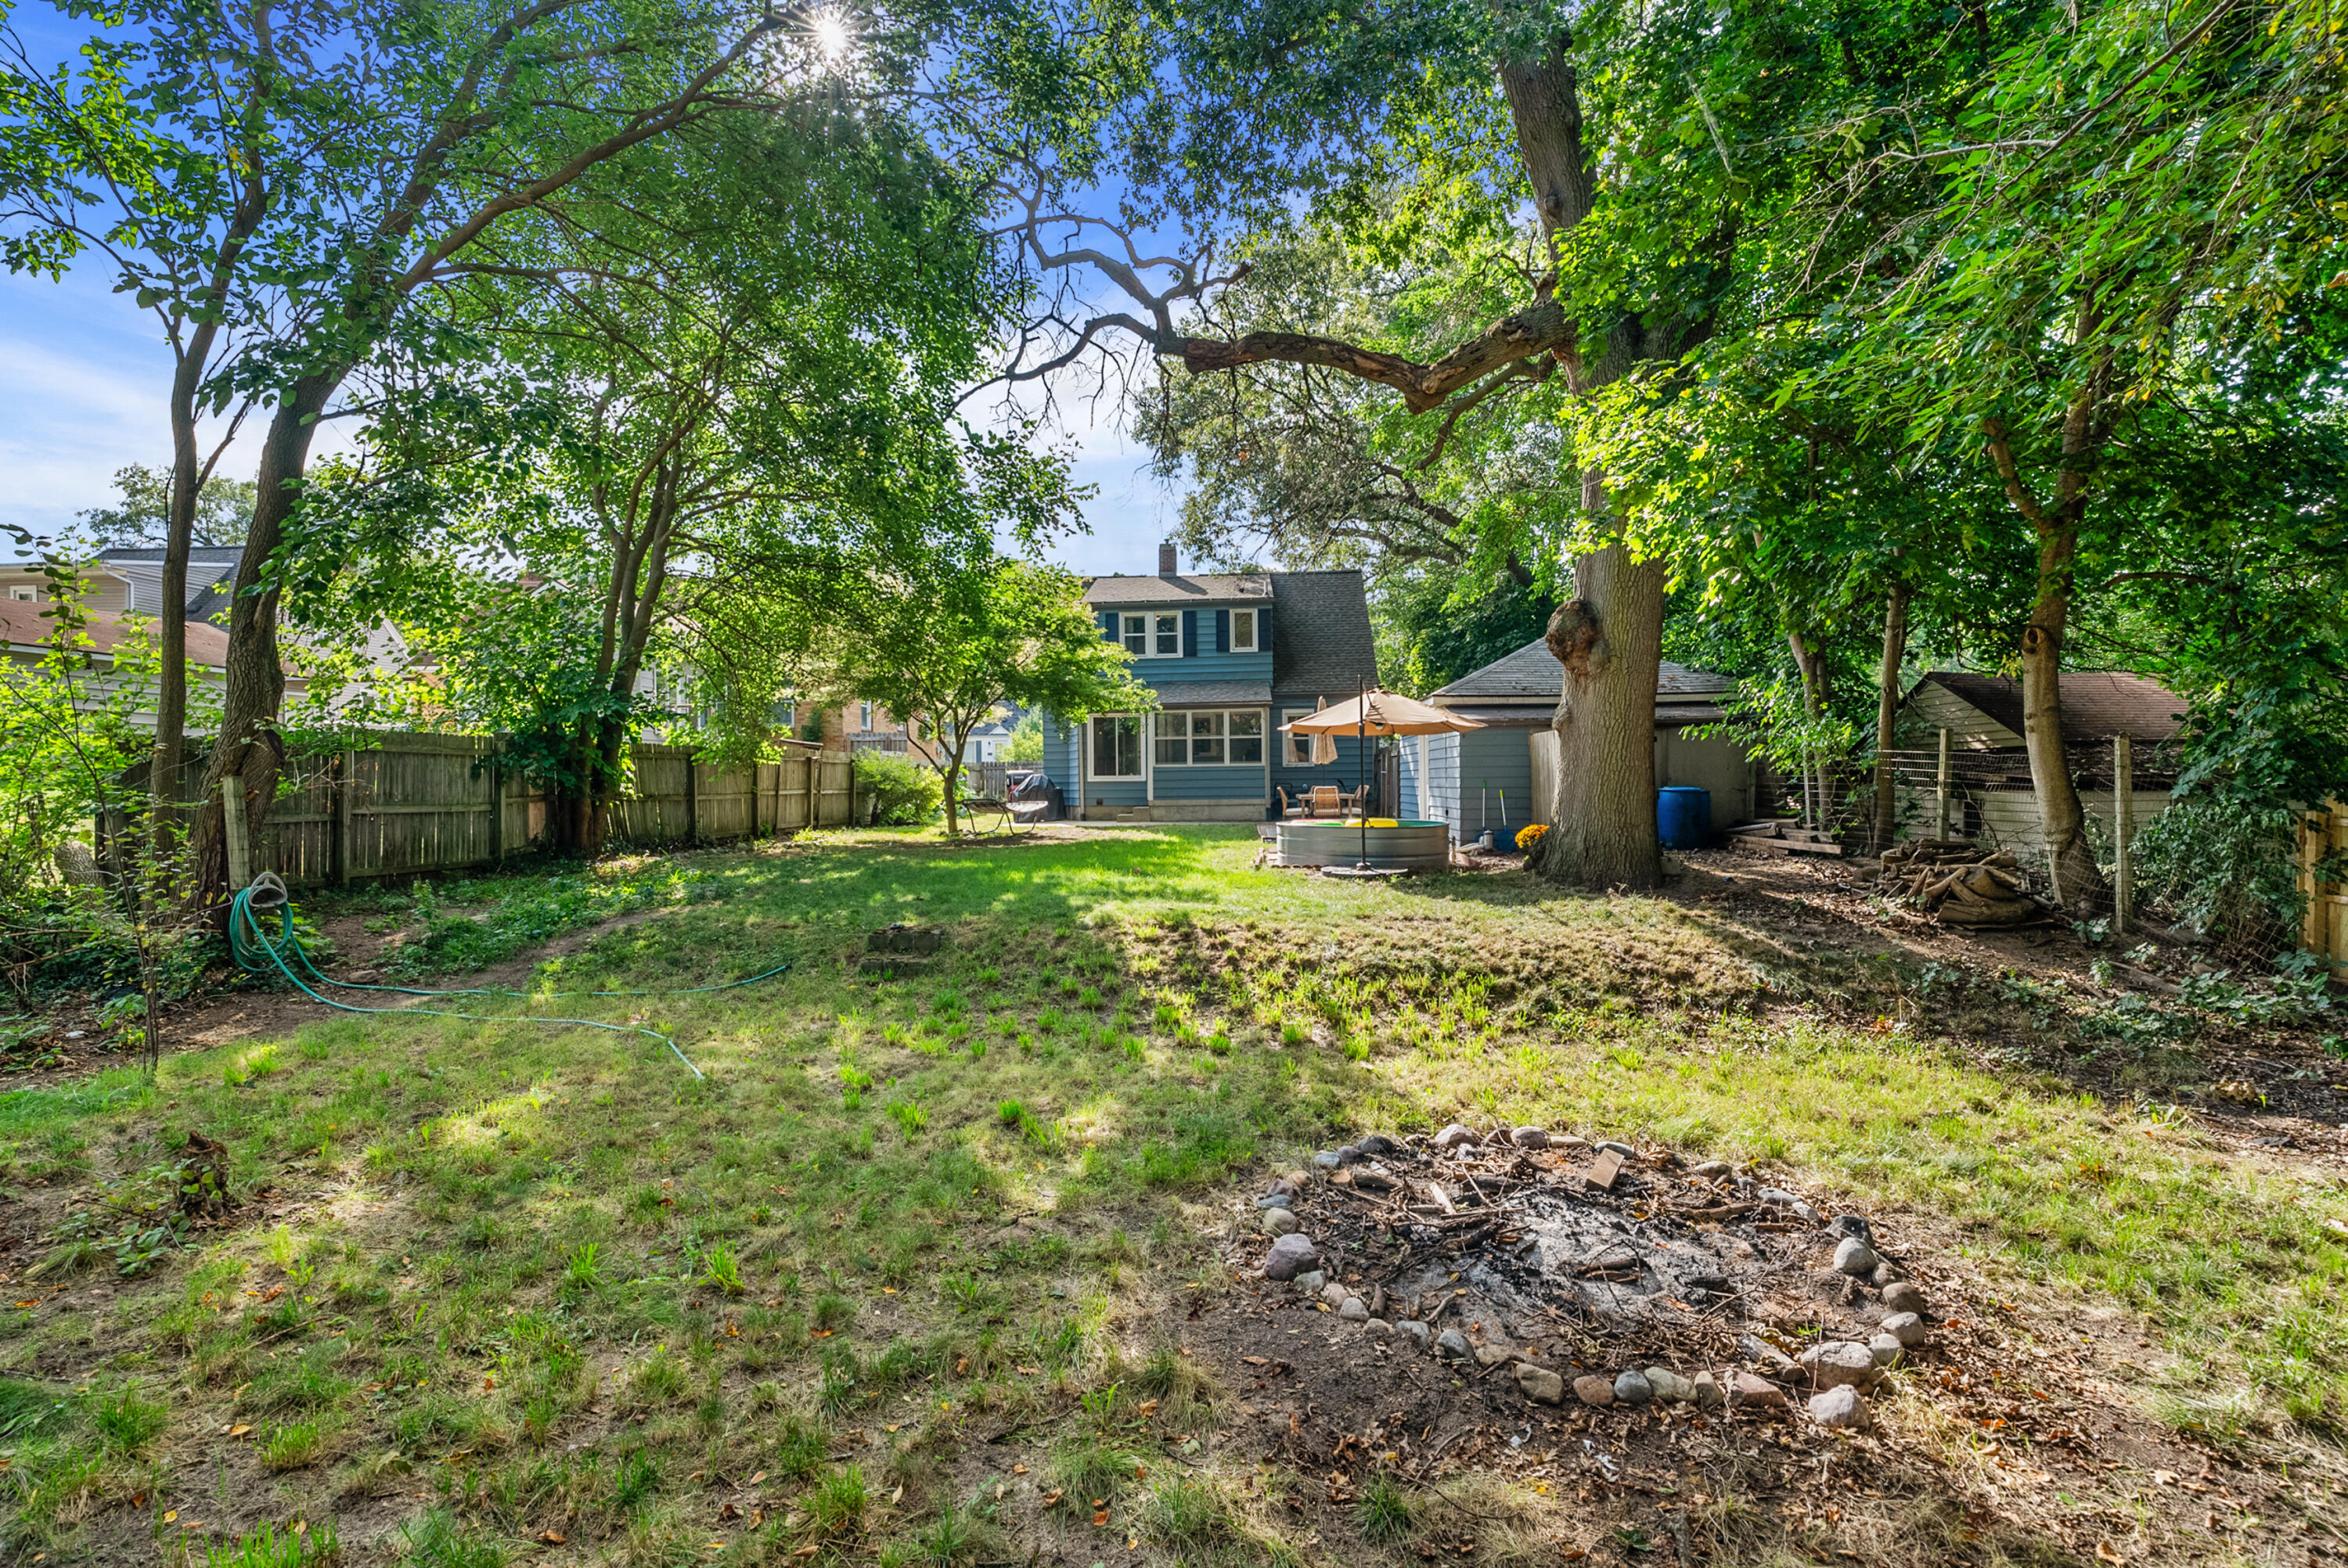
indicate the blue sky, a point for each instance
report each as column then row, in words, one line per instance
column 84, row 375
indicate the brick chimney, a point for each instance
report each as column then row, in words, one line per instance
column 1166, row 566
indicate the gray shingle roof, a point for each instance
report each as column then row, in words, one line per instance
column 1533, row 671
column 208, row 555
column 1184, row 590
column 1321, row 640
column 2096, row 705
column 1210, row 693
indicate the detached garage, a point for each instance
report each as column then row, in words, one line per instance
column 1496, row 779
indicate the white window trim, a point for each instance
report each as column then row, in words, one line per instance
column 1148, row 618
column 1188, row 741
column 1297, row 751
column 1085, row 739
column 1255, row 628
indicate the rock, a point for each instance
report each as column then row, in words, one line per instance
column 1451, row 1137
column 1839, row 1410
column 1904, row 1296
column 1279, row 1222
column 1540, row 1385
column 1904, row 1327
column 1706, row 1391
column 1854, row 1257
column 1568, row 1142
column 1290, row 1255
column 1531, row 1138
column 1761, row 1350
column 1624, row 1149
column 1417, row 1333
column 1334, row 1293
column 1349, row 1155
column 1309, row 1283
column 1378, row 1145
column 1853, row 1226
column 1714, row 1284
column 1713, row 1170
column 1277, row 1200
column 1777, row 1197
column 1803, row 1212
column 1884, row 1348
column 1377, row 1329
column 1493, row 1355
column 1595, row 1392
column 1288, row 1185
column 1354, row 1310
column 1838, row 1362
column 1298, row 1181
column 1670, row 1388
column 1886, row 1273
column 1751, row 1392
column 1631, row 1388
column 1451, row 1345
column 1327, row 1160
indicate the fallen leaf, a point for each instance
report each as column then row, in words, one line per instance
column 238, row 1430
column 1018, row 1470
column 888, row 1290
column 897, row 1496
column 2106, row 1553
column 1253, row 1360
column 171, row 1516
column 35, row 1302
column 551, row 1537
column 1100, row 1517
column 807, row 1552
column 1052, row 1499
column 757, row 1478
column 1148, row 1408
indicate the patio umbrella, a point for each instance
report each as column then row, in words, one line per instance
column 1379, row 713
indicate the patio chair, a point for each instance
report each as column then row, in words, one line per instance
column 1326, row 800
column 1299, row 806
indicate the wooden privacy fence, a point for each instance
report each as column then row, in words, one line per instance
column 410, row 804
column 2324, row 925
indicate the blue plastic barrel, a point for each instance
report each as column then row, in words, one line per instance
column 1684, row 816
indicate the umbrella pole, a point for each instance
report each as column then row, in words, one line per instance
column 1362, row 748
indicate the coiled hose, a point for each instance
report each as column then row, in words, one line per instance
column 256, row 953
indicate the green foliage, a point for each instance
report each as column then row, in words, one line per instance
column 895, row 790
column 267, row 1547
column 2224, row 870
column 1027, row 743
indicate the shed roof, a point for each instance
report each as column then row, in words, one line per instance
column 2096, row 705
column 27, row 627
column 1533, row 671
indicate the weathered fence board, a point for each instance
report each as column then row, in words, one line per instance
column 2325, row 922
column 411, row 803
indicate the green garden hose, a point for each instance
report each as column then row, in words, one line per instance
column 249, row 941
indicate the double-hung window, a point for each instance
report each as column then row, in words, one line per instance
column 1157, row 635
column 1244, row 631
column 1210, row 739
column 1116, row 746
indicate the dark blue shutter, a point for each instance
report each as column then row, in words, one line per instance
column 1109, row 626
column 1264, row 630
column 1222, row 631
column 1190, row 634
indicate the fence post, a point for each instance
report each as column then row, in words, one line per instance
column 1941, row 807
column 240, row 861
column 2123, row 829
column 497, row 815
column 691, row 803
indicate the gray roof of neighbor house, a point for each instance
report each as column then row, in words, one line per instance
column 1321, row 640
column 1108, row 590
column 211, row 573
column 1533, row 671
column 2096, row 705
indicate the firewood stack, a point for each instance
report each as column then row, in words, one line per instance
column 1960, row 882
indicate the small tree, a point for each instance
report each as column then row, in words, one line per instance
column 952, row 648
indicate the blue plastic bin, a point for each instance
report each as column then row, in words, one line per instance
column 1684, row 816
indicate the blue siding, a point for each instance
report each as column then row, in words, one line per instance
column 1206, row 647
column 1469, row 773
column 1346, row 773
column 1208, row 784
column 1408, row 780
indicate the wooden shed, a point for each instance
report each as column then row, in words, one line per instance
column 1500, row 778
column 1991, row 795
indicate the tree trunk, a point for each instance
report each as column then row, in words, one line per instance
column 1810, row 661
column 251, row 750
column 172, row 614
column 1886, row 703
column 1608, row 639
column 2071, row 860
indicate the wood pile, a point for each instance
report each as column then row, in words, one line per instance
column 1960, row 882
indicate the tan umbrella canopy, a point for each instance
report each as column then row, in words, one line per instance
column 1383, row 713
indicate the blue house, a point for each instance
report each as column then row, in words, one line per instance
column 1499, row 779
column 1232, row 657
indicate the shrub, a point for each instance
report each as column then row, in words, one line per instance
column 896, row 790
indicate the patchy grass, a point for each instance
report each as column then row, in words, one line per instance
column 548, row 1281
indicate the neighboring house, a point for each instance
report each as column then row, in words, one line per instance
column 1991, row 793
column 129, row 581
column 869, row 727
column 985, row 744
column 1497, row 778
column 1231, row 657
column 32, row 636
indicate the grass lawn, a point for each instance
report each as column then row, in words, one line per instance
column 896, row 1282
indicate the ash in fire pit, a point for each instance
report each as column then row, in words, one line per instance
column 1627, row 1277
